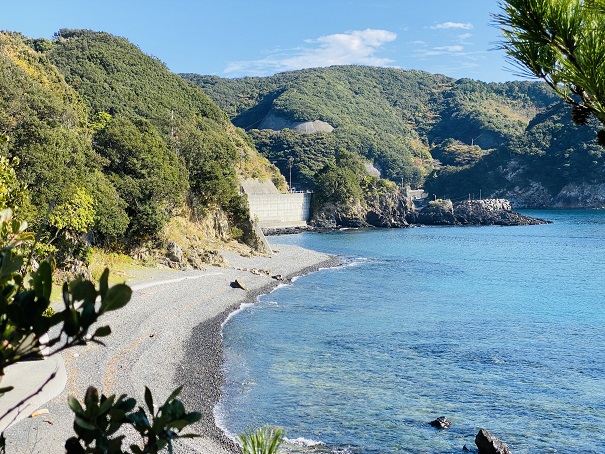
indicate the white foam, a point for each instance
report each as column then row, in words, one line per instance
column 304, row 442
column 242, row 308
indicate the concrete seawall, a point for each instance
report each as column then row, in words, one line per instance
column 280, row 210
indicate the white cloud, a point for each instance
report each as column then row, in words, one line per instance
column 355, row 47
column 463, row 37
column 449, row 25
column 449, row 48
column 440, row 50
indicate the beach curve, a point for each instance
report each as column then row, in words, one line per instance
column 168, row 336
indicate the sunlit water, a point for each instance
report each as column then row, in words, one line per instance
column 494, row 327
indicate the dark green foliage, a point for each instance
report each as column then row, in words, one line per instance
column 374, row 111
column 340, row 182
column 98, row 422
column 552, row 152
column 43, row 123
column 390, row 117
column 114, row 76
column 165, row 132
column 25, row 316
column 24, row 303
column 210, row 157
column 488, row 115
column 336, row 185
column 148, row 177
column 89, row 116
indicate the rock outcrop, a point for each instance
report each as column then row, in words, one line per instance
column 277, row 123
column 441, row 423
column 394, row 209
column 385, row 210
column 488, row 444
column 571, row 196
column 472, row 212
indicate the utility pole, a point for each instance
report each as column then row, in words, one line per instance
column 290, row 163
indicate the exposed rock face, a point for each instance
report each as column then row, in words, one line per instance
column 387, row 210
column 394, row 210
column 438, row 212
column 472, row 212
column 581, row 196
column 488, row 444
column 571, row 196
column 277, row 123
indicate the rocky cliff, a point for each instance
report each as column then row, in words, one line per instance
column 385, row 210
column 471, row 212
column 571, row 196
column 394, row 210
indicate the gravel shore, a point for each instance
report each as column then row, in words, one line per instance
column 168, row 335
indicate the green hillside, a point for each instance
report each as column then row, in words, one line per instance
column 456, row 137
column 99, row 138
column 363, row 104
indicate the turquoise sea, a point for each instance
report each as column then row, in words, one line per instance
column 500, row 328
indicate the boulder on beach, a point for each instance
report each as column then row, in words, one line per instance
column 489, row 444
column 238, row 284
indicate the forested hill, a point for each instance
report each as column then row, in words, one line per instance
column 456, row 137
column 98, row 137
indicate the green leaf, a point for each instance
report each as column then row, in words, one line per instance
column 116, row 297
column 74, row 404
column 106, row 404
column 174, row 394
column 11, row 263
column 149, row 400
column 83, row 291
column 43, row 281
column 104, row 283
column 5, row 390
column 102, row 331
column 83, row 423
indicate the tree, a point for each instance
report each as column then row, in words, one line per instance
column 26, row 317
column 563, row 43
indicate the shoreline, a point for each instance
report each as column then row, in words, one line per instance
column 207, row 364
column 170, row 334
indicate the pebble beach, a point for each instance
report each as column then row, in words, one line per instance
column 169, row 335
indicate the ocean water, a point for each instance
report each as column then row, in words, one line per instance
column 500, row 328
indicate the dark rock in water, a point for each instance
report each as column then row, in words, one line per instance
column 238, row 284
column 472, row 212
column 488, row 444
column 441, row 423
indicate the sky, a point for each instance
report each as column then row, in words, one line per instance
column 238, row 38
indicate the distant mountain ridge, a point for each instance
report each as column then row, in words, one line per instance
column 456, row 137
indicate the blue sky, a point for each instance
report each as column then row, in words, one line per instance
column 235, row 38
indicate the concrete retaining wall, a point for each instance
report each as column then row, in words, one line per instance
column 280, row 210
